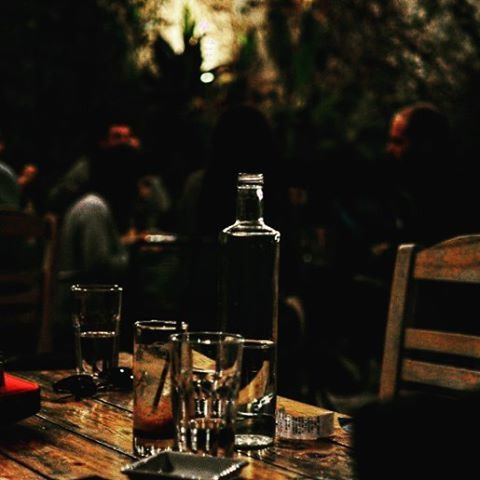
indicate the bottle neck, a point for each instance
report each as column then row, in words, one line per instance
column 250, row 203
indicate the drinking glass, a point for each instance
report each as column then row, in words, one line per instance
column 96, row 322
column 153, row 429
column 255, row 426
column 206, row 377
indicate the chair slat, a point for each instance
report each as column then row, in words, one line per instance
column 444, row 376
column 442, row 342
column 455, row 260
column 23, row 299
column 19, row 278
column 29, row 294
column 21, row 225
column 399, row 313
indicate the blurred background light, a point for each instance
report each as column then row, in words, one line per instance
column 207, row 77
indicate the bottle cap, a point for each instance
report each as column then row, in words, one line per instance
column 250, row 179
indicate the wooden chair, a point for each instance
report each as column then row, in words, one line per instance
column 27, row 284
column 455, row 260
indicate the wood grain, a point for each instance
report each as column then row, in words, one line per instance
column 71, row 439
column 88, row 417
column 399, row 314
column 319, row 458
column 442, row 342
column 113, row 427
column 14, row 471
column 455, row 260
column 444, row 376
column 54, row 452
column 258, row 470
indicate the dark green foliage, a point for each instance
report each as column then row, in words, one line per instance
column 172, row 128
column 353, row 63
column 343, row 67
column 65, row 66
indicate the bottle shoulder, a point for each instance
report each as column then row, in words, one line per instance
column 241, row 229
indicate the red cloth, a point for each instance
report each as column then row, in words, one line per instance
column 19, row 399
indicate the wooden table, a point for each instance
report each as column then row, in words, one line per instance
column 71, row 439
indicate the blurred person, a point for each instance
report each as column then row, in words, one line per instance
column 9, row 188
column 97, row 230
column 119, row 135
column 187, row 205
column 419, row 132
column 93, row 227
column 28, row 181
column 436, row 200
column 429, row 203
column 242, row 141
column 151, row 205
column 28, row 175
column 407, row 196
column 75, row 182
column 418, row 197
column 345, row 300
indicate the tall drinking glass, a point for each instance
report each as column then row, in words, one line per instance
column 96, row 323
column 153, row 428
column 206, row 377
column 257, row 398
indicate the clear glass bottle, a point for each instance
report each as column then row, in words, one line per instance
column 250, row 252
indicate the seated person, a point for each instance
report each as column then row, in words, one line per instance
column 153, row 200
column 97, row 228
column 9, row 188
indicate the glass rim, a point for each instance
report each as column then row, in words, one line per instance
column 207, row 338
column 155, row 324
column 95, row 287
column 258, row 343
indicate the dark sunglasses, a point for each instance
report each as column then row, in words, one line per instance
column 82, row 386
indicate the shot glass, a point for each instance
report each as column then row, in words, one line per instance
column 96, row 322
column 206, row 377
column 153, row 428
column 255, row 426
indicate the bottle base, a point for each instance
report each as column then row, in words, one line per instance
column 250, row 441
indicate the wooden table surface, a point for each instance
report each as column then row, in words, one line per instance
column 92, row 438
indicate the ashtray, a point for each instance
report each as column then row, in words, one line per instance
column 185, row 466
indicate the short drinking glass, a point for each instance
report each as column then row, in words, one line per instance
column 257, row 398
column 206, row 376
column 96, row 322
column 153, row 429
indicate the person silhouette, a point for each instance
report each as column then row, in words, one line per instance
column 9, row 188
column 429, row 205
column 242, row 142
column 96, row 232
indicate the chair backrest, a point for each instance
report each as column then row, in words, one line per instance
column 456, row 260
column 27, row 264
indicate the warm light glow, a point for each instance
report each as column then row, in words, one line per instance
column 207, row 77
column 218, row 26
